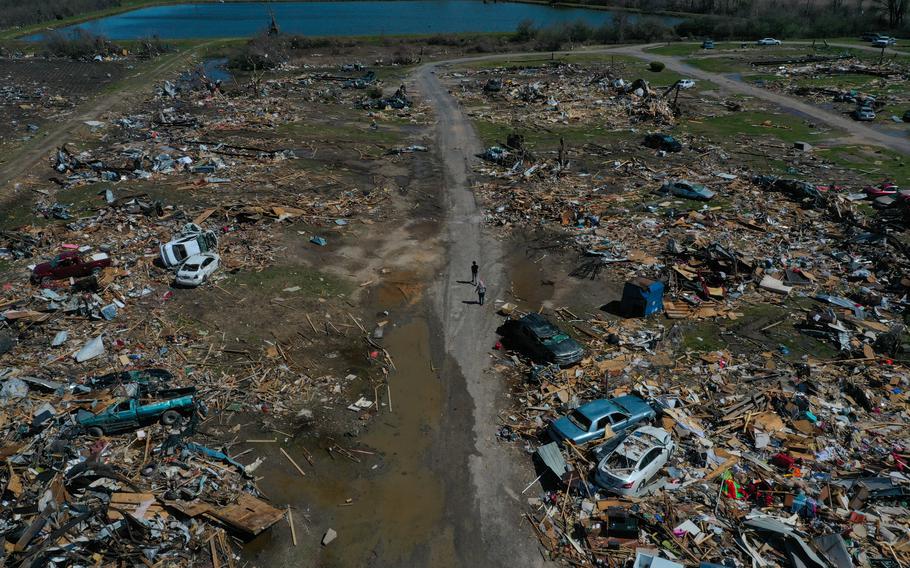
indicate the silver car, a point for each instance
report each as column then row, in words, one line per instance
column 629, row 468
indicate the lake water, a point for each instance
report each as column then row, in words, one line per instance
column 346, row 18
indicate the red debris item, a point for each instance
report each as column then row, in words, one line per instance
column 167, row 296
column 783, row 461
column 498, row 346
column 899, row 461
column 374, row 354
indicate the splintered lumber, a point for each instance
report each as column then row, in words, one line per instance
column 290, row 459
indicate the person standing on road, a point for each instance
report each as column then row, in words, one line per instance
column 481, row 289
column 474, row 269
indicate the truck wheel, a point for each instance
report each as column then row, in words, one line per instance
column 170, row 417
column 95, row 432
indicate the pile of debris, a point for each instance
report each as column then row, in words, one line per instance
column 712, row 457
column 563, row 93
column 108, row 400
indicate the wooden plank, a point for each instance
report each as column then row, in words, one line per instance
column 728, row 463
column 249, row 514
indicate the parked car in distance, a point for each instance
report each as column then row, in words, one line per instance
column 541, row 340
column 687, row 189
column 663, row 142
column 70, row 265
column 686, row 83
column 883, row 41
column 634, row 463
column 175, row 252
column 881, row 190
column 197, row 269
column 768, row 41
column 132, row 413
column 863, row 114
column 589, row 421
column 707, row 44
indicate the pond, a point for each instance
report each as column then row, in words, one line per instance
column 343, row 18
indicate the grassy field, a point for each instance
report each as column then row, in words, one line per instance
column 718, row 64
column 870, row 160
column 784, row 127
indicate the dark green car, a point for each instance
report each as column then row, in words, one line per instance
column 541, row 340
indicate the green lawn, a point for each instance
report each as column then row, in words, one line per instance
column 878, row 163
column 784, row 127
column 718, row 64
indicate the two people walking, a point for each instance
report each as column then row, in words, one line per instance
column 479, row 286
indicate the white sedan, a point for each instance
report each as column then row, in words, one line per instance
column 197, row 269
column 686, row 83
column 635, row 462
column 768, row 41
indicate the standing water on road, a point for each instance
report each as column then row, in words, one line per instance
column 345, row 18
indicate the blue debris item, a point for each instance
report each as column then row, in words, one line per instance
column 341, row 222
column 109, row 312
column 200, row 449
column 642, row 297
column 319, row 241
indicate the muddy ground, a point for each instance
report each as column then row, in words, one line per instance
column 36, row 91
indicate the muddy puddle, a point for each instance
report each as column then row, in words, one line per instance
column 388, row 507
column 529, row 287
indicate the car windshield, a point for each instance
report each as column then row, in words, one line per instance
column 191, row 267
column 180, row 251
column 627, row 455
column 555, row 339
column 580, row 420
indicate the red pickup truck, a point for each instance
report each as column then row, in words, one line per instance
column 70, row 265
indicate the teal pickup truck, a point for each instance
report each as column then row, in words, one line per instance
column 131, row 413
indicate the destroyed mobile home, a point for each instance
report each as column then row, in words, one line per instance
column 749, row 455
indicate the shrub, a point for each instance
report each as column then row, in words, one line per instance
column 262, row 52
column 524, row 32
column 78, row 45
column 656, row 66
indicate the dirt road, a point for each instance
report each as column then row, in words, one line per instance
column 858, row 131
column 140, row 82
column 491, row 533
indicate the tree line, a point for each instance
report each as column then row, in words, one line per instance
column 23, row 13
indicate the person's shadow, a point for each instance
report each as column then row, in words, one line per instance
column 470, row 302
column 464, row 281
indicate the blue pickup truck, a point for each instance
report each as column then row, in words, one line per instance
column 131, row 413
